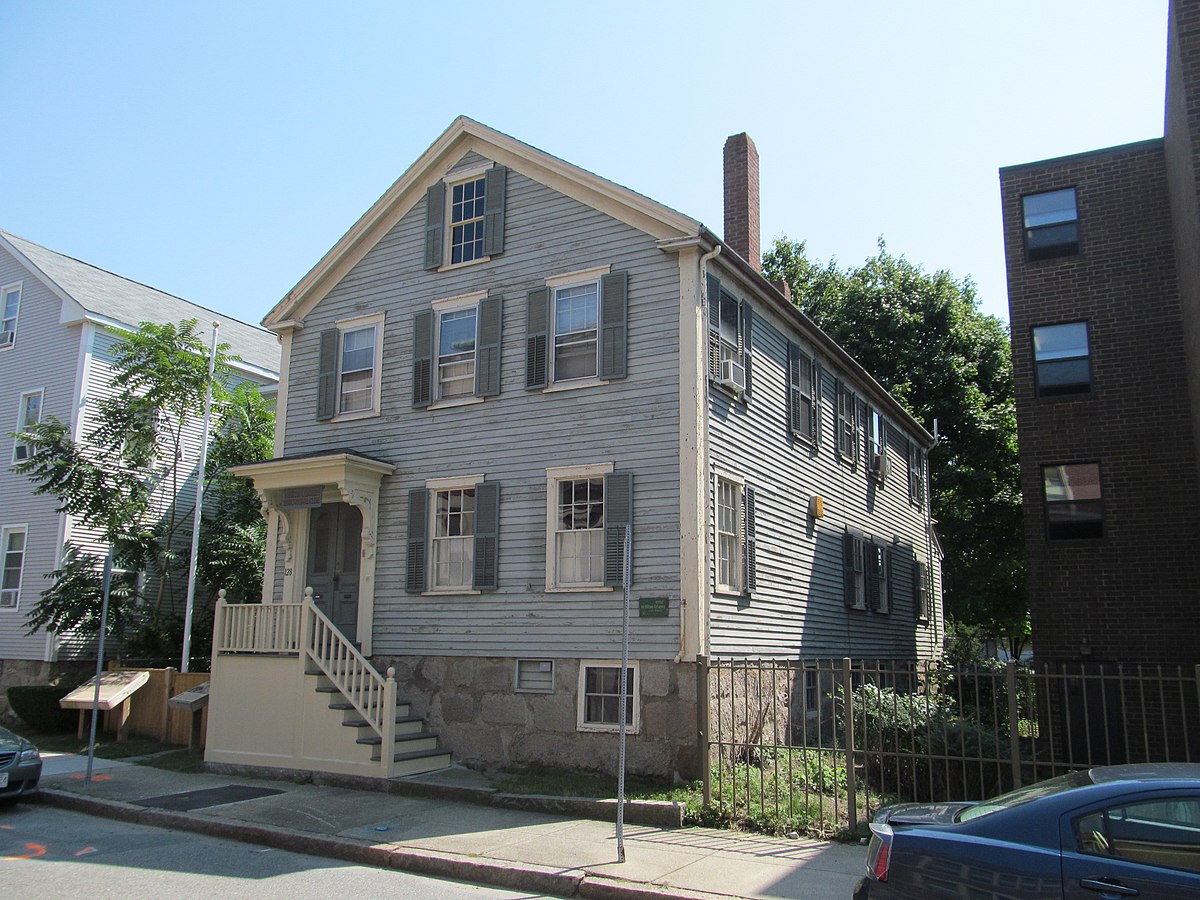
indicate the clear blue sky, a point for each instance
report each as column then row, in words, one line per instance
column 217, row 149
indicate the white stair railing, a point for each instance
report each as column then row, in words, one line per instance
column 256, row 627
column 372, row 695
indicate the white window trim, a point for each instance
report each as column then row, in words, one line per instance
column 451, row 180
column 41, row 395
column 344, row 325
column 450, row 483
column 565, row 280
column 553, row 476
column 720, row 475
column 581, row 697
column 452, row 304
column 517, row 689
column 4, row 533
column 19, row 287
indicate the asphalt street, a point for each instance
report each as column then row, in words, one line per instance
column 48, row 853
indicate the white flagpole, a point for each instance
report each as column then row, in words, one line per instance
column 196, row 517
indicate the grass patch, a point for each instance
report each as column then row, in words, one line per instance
column 176, row 761
column 107, row 745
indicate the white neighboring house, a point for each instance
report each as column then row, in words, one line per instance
column 59, row 322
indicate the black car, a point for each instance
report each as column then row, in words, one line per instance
column 1101, row 834
column 20, row 766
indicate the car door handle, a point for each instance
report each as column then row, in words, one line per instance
column 1108, row 888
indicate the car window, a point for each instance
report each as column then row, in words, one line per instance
column 1026, row 794
column 1161, row 832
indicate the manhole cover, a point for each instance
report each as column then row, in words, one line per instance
column 189, row 800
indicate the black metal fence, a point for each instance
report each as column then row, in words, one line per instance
column 819, row 744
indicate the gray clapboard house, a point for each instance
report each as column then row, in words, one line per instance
column 61, row 317
column 505, row 362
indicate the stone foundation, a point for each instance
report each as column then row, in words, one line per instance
column 14, row 672
column 485, row 723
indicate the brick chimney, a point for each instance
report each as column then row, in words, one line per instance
column 741, row 198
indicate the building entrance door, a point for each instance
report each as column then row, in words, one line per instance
column 334, row 551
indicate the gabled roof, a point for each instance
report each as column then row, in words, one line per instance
column 464, row 135
column 92, row 294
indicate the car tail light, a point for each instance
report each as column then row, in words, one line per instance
column 879, row 853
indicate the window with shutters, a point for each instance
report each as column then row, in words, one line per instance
column 854, row 568
column 465, row 217
column 456, row 333
column 1074, row 501
column 916, row 475
column 456, row 350
column 352, row 356
column 729, row 339
column 847, row 424
column 1051, row 224
column 10, row 305
column 920, row 576
column 877, row 463
column 29, row 413
column 804, row 407
column 587, row 510
column 576, row 316
column 879, row 575
column 12, row 544
column 730, row 531
column 452, row 533
column 599, row 707
column 1061, row 360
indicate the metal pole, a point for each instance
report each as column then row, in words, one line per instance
column 621, row 730
column 199, row 511
column 105, row 585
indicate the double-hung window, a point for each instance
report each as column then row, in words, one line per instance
column 916, row 474
column 29, row 414
column 453, row 529
column 729, row 536
column 847, row 424
column 729, row 338
column 804, row 393
column 575, row 329
column 10, row 305
column 456, row 353
column 1051, row 224
column 1061, row 359
column 12, row 544
column 588, row 509
column 1074, row 501
column 877, row 461
column 351, row 356
column 854, row 569
column 452, row 537
column 600, row 696
column 456, row 349
column 576, row 315
column 464, row 218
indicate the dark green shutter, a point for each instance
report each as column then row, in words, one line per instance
column 750, row 552
column 793, row 397
column 422, row 364
column 327, row 375
column 487, row 347
column 839, row 442
column 493, row 211
column 485, row 576
column 747, row 340
column 714, row 327
column 816, row 403
column 920, row 590
column 418, row 502
column 614, row 313
column 435, row 215
column 618, row 512
column 537, row 338
column 848, row 579
column 872, row 574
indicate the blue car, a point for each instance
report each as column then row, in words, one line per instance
column 20, row 767
column 1101, row 834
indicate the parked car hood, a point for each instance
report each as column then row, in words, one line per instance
column 922, row 813
column 10, row 741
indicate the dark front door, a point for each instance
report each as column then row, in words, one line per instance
column 334, row 542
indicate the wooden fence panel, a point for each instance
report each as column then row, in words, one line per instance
column 150, row 716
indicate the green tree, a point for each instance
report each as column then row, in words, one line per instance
column 124, row 483
column 923, row 337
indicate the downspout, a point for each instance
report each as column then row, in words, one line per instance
column 703, row 562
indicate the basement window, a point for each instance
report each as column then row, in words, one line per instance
column 535, row 676
column 600, row 696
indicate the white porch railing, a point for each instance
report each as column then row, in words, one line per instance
column 284, row 628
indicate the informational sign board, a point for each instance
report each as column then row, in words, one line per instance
column 302, row 497
column 191, row 700
column 115, row 689
column 653, row 607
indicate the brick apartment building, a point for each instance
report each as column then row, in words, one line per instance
column 1104, row 299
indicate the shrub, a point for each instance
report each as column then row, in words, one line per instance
column 37, row 705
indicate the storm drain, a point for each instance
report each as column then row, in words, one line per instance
column 189, row 800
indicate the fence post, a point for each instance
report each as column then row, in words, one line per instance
column 387, row 750
column 1014, row 736
column 848, row 712
column 703, row 724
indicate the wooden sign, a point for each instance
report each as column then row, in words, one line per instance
column 191, row 700
column 115, row 689
column 302, row 497
column 653, row 607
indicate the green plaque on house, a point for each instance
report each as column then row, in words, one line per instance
column 653, row 607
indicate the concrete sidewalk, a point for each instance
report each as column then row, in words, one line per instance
column 533, row 851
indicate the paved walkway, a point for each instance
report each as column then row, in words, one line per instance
column 533, row 851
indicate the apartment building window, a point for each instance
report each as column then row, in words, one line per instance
column 575, row 330
column 1062, row 359
column 1051, row 224
column 576, row 314
column 12, row 544
column 350, row 360
column 600, row 696
column 29, row 414
column 10, row 305
column 1074, row 501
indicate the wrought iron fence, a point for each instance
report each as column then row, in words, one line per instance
column 819, row 744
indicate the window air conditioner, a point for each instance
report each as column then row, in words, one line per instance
column 733, row 375
column 880, row 465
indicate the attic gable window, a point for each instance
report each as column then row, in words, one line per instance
column 466, row 220
column 464, row 217
column 10, row 305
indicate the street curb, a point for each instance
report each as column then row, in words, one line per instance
column 518, row 876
